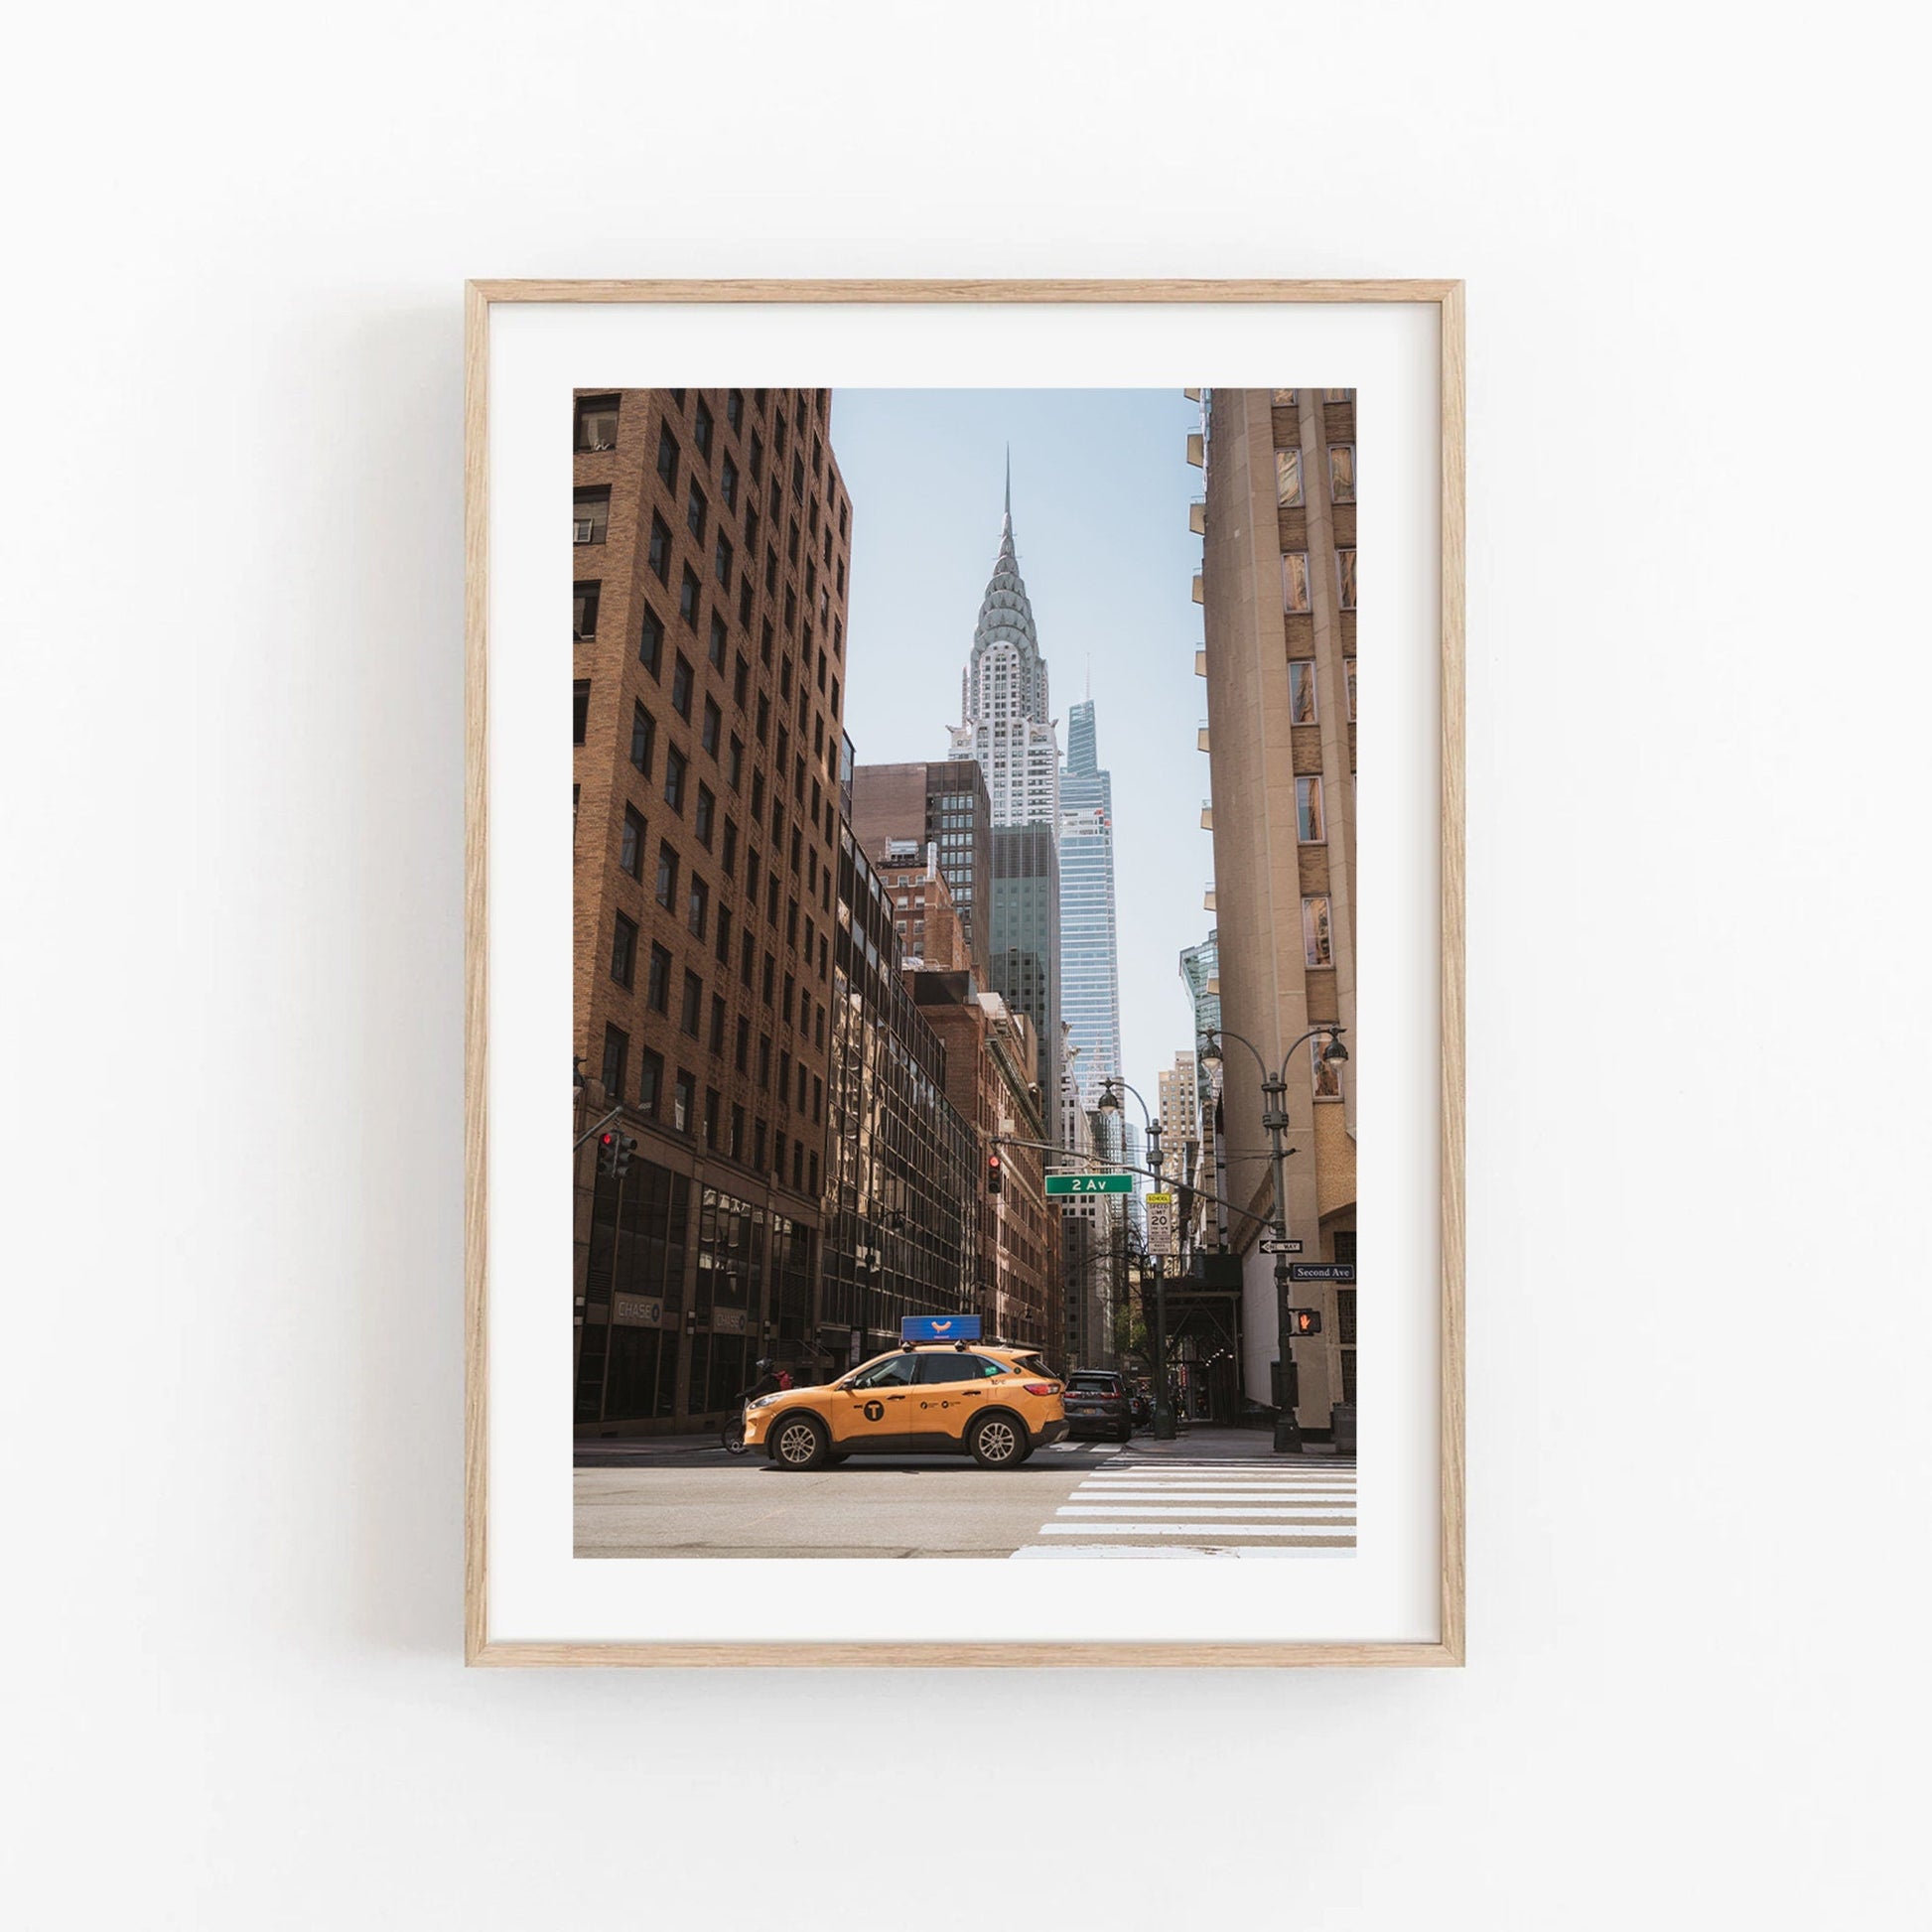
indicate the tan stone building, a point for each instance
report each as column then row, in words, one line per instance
column 1278, row 590
column 710, row 543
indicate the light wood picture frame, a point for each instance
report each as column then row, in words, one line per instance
column 1442, row 298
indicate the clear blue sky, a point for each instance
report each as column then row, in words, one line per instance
column 1100, row 492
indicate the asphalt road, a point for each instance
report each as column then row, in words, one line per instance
column 1086, row 1499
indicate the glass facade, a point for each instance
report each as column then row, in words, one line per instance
column 902, row 1168
column 1089, row 962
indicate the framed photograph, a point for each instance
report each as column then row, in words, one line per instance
column 992, row 1005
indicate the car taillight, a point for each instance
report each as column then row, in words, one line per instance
column 1042, row 1388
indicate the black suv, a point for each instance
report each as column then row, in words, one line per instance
column 1098, row 1402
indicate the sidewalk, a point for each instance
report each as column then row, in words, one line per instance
column 1204, row 1442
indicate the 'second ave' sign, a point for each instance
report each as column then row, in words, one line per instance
column 1089, row 1183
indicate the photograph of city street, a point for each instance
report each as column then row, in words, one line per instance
column 964, row 972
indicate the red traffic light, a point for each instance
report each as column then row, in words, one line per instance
column 993, row 1173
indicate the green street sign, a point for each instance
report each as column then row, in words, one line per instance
column 1089, row 1183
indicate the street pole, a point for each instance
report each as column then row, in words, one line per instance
column 1163, row 1423
column 1287, row 1426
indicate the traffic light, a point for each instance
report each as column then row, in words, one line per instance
column 994, row 1174
column 620, row 1159
column 606, row 1152
column 1304, row 1321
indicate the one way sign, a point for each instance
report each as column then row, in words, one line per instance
column 1273, row 1245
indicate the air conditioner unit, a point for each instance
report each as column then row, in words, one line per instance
column 586, row 530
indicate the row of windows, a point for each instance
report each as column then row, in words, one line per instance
column 720, row 1131
column 1301, row 705
column 1287, row 476
column 1298, row 590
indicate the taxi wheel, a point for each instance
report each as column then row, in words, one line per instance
column 999, row 1442
column 798, row 1443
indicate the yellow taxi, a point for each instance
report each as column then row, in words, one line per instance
column 987, row 1400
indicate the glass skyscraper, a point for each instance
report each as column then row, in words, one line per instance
column 1089, row 967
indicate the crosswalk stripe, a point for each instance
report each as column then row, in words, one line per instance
column 1248, row 1511
column 1336, row 1541
column 1150, row 1552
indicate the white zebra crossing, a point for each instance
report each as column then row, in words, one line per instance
column 1143, row 1506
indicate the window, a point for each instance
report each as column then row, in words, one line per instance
column 692, row 1007
column 764, row 1061
column 667, row 458
column 660, row 549
column 666, row 876
column 1309, row 826
column 735, row 1147
column 624, row 951
column 723, row 949
column 1326, row 1075
column 631, row 854
column 771, row 978
column 1288, row 479
column 717, row 651
column 1337, row 395
column 764, row 658
column 730, row 853
column 1318, row 942
column 1341, row 472
column 695, row 507
column 701, row 430
column 1283, row 398
column 1300, row 691
column 747, row 953
column 657, row 988
column 683, row 1100
column 597, row 422
column 650, row 1083
column 758, row 1146
column 643, row 732
column 681, row 687
column 617, row 1050
column 690, row 597
column 741, row 1053
column 714, row 720
column 1295, row 582
column 702, row 817
column 721, row 560
column 1345, row 579
column 583, row 611
column 591, row 514
column 784, row 1078
column 1348, row 678
column 757, row 453
column 734, row 408
column 650, row 642
column 711, row 1104
column 745, row 603
column 717, row 1023
column 676, row 765
column 580, row 696
column 697, row 907
column 740, row 681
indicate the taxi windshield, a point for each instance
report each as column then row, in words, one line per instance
column 890, row 1368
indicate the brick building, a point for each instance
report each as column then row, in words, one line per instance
column 993, row 1082
column 943, row 804
column 1278, row 590
column 712, row 543
column 901, row 1165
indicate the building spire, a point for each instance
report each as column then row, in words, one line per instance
column 1008, row 484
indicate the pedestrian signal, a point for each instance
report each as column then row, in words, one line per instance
column 1304, row 1321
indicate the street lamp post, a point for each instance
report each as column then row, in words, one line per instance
column 1274, row 1088
column 1109, row 1102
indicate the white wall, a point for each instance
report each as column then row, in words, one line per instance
column 231, row 760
